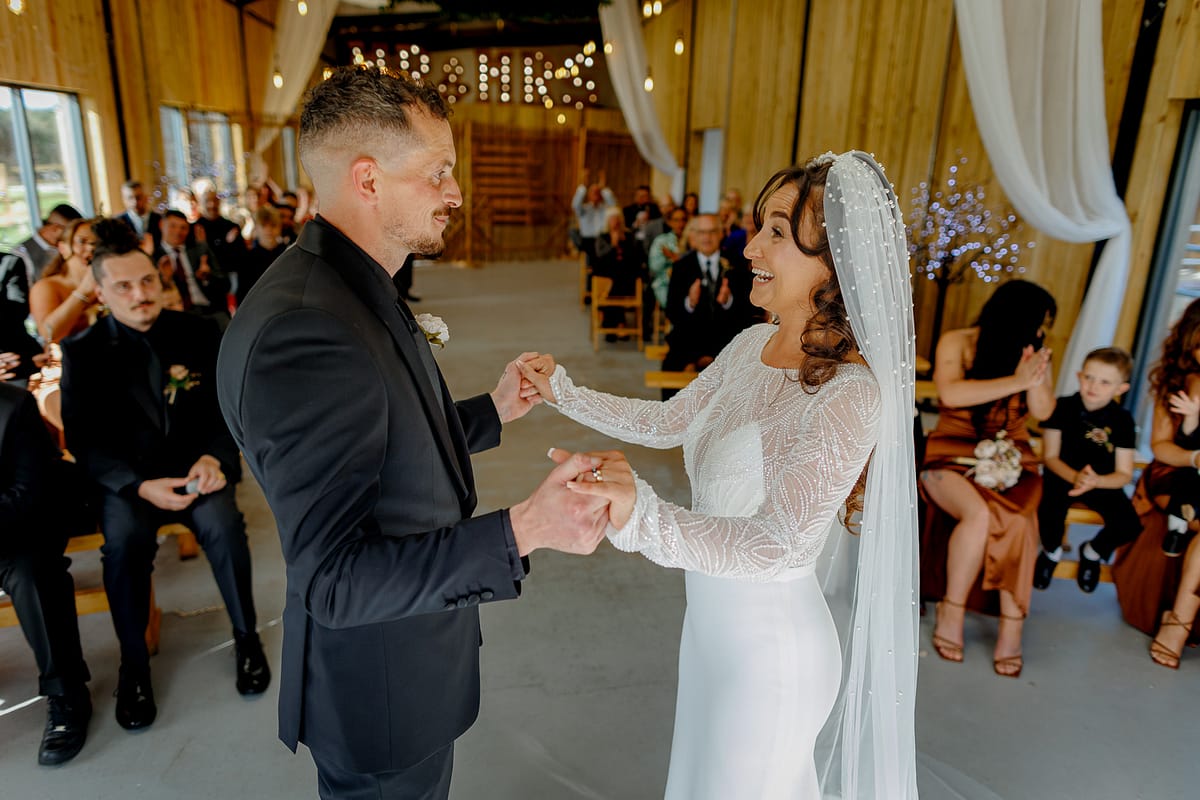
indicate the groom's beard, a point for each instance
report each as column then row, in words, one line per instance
column 424, row 240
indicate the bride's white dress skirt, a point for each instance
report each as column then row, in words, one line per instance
column 759, row 667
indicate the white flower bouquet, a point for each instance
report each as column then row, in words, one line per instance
column 996, row 465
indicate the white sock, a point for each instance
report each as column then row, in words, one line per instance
column 1090, row 554
column 1055, row 555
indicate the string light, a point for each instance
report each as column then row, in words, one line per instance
column 327, row 73
column 657, row 8
column 608, row 48
column 562, row 119
column 302, row 7
column 648, row 84
column 647, row 9
column 16, row 6
column 277, row 79
column 679, row 45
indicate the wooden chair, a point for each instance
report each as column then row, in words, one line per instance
column 602, row 300
column 93, row 599
column 585, row 273
column 656, row 352
column 658, row 379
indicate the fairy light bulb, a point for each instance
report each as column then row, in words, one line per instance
column 16, row 6
column 648, row 84
column 302, row 7
column 277, row 79
column 679, row 45
column 647, row 9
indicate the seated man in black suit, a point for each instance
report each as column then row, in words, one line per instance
column 707, row 302
column 194, row 270
column 140, row 413
column 33, row 571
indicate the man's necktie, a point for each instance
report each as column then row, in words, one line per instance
column 181, row 279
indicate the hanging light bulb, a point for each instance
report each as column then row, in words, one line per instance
column 648, row 84
column 327, row 73
column 657, row 9
column 647, row 9
column 608, row 47
column 277, row 79
column 679, row 45
column 302, row 7
column 562, row 119
column 16, row 6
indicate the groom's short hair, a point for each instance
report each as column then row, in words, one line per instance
column 356, row 104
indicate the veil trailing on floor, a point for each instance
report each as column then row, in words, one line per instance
column 867, row 749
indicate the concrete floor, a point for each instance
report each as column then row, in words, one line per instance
column 579, row 675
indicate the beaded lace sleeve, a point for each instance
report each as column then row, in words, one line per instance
column 810, row 464
column 660, row 424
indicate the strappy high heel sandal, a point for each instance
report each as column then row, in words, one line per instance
column 948, row 650
column 1161, row 654
column 1004, row 666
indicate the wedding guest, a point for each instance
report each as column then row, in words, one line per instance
column 704, row 307
column 141, row 416
column 193, row 269
column 145, row 221
column 333, row 393
column 40, row 249
column 64, row 301
column 287, row 222
column 618, row 259
column 590, row 204
column 1087, row 452
column 658, row 226
column 33, row 571
column 665, row 250
column 222, row 236
column 268, row 246
column 1157, row 576
column 691, row 204
column 991, row 379
column 776, row 436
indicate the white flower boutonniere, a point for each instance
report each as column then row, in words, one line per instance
column 179, row 377
column 435, row 328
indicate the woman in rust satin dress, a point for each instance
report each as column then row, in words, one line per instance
column 1157, row 579
column 978, row 543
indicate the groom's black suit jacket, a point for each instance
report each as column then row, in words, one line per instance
column 343, row 418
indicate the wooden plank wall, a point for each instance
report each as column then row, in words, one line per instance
column 883, row 76
column 184, row 53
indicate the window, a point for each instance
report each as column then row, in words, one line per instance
column 199, row 145
column 1175, row 271
column 42, row 159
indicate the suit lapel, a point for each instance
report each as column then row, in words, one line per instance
column 371, row 284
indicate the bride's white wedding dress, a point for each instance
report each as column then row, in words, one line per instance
column 770, row 468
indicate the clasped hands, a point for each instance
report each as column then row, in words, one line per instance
column 161, row 492
column 571, row 509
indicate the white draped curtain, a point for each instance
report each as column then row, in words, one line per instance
column 1035, row 71
column 299, row 41
column 621, row 25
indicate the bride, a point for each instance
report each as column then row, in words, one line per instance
column 793, row 429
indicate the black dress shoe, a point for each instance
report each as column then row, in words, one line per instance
column 1043, row 571
column 1088, row 576
column 66, row 728
column 253, row 674
column 135, row 701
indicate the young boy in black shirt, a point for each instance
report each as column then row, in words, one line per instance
column 1087, row 450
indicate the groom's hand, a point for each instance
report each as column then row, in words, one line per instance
column 513, row 396
column 557, row 518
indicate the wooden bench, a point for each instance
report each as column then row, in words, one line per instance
column 658, row 379
column 93, row 599
column 656, row 352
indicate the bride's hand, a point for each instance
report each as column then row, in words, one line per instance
column 535, row 374
column 612, row 479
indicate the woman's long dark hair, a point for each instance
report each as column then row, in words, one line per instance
column 1010, row 321
column 827, row 339
column 1178, row 361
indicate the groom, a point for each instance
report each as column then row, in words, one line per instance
column 331, row 389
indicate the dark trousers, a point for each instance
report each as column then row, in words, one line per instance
column 43, row 596
column 1121, row 523
column 130, row 541
column 428, row 780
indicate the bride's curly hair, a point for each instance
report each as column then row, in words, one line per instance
column 1178, row 361
column 827, row 340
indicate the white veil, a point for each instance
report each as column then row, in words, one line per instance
column 867, row 749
